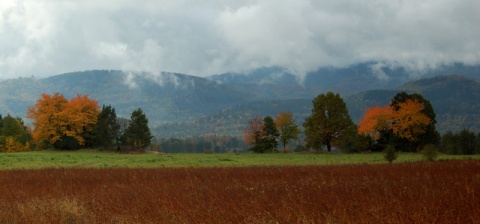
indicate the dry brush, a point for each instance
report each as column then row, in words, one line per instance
column 441, row 192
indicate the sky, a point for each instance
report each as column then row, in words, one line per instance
column 41, row 38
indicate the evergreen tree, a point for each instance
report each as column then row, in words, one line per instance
column 137, row 135
column 106, row 131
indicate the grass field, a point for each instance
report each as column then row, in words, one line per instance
column 416, row 192
column 103, row 187
column 98, row 159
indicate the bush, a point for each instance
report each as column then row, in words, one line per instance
column 390, row 153
column 430, row 152
column 301, row 148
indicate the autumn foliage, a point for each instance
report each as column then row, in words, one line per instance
column 14, row 136
column 286, row 126
column 442, row 192
column 406, row 120
column 255, row 132
column 55, row 117
column 376, row 120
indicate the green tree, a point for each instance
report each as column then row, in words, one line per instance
column 430, row 152
column 123, row 124
column 390, row 153
column 286, row 127
column 106, row 131
column 451, row 143
column 13, row 127
column 467, row 142
column 269, row 142
column 329, row 124
column 14, row 135
column 138, row 135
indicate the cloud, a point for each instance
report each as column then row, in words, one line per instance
column 42, row 37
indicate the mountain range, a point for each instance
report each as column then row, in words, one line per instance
column 180, row 105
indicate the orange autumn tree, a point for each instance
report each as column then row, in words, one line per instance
column 255, row 133
column 407, row 121
column 46, row 116
column 377, row 120
column 54, row 117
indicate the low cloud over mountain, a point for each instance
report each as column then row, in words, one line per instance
column 43, row 38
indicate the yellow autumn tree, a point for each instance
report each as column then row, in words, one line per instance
column 12, row 145
column 81, row 114
column 408, row 120
column 286, row 126
column 47, row 117
column 54, row 117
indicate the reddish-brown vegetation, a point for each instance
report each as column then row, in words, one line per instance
column 441, row 192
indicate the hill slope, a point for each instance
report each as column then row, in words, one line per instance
column 165, row 97
column 455, row 99
column 182, row 105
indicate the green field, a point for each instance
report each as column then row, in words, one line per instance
column 98, row 159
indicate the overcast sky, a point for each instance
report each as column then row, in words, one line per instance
column 203, row 37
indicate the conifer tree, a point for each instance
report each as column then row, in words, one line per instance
column 106, row 131
column 138, row 135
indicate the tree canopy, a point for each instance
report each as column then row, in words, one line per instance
column 329, row 124
column 54, row 118
column 107, row 130
column 138, row 135
column 261, row 134
column 286, row 126
column 405, row 122
column 430, row 135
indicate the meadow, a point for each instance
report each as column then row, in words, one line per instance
column 411, row 192
column 99, row 159
column 101, row 187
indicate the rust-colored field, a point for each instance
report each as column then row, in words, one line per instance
column 441, row 192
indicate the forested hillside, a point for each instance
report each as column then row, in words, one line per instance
column 165, row 97
column 232, row 120
column 179, row 105
column 455, row 99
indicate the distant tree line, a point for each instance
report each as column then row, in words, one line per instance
column 200, row 144
column 407, row 124
column 463, row 142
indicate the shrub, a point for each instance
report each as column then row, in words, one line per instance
column 300, row 148
column 430, row 152
column 390, row 153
